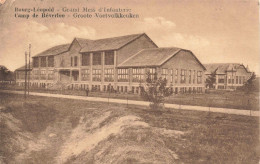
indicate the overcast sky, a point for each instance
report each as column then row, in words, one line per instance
column 217, row 31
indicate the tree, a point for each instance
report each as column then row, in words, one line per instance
column 249, row 86
column 155, row 90
column 3, row 73
column 211, row 80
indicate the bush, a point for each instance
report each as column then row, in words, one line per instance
column 155, row 91
column 252, row 85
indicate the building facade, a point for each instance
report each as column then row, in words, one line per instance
column 118, row 63
column 181, row 68
column 228, row 75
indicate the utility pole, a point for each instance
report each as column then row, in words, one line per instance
column 29, row 68
column 25, row 75
column 232, row 78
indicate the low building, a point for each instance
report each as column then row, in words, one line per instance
column 228, row 75
column 118, row 63
column 20, row 75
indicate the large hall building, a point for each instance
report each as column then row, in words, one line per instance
column 118, row 63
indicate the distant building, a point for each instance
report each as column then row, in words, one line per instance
column 118, row 63
column 228, row 75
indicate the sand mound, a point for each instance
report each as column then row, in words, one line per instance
column 122, row 139
column 82, row 141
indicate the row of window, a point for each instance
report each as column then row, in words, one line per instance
column 186, row 76
column 43, row 61
column 123, row 75
column 37, row 75
column 97, row 58
column 236, row 79
column 139, row 75
column 230, row 80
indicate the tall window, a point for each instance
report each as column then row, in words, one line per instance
column 109, row 75
column 62, row 61
column 138, row 75
column 164, row 73
column 183, row 76
column 236, row 79
column 176, row 76
column 35, row 62
column 221, row 79
column 85, row 59
column 97, row 58
column 43, row 75
column 244, row 79
column 194, row 77
column 109, row 58
column 189, row 76
column 96, row 75
column 229, row 79
column 50, row 75
column 152, row 72
column 123, row 75
column 43, row 61
column 71, row 61
column 35, row 74
column 85, row 75
column 172, row 75
column 199, row 77
column 75, row 61
column 51, row 61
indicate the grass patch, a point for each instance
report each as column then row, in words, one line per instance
column 215, row 98
column 35, row 117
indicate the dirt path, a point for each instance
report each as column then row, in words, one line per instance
column 143, row 103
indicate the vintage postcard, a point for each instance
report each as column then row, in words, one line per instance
column 129, row 81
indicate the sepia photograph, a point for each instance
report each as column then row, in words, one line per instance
column 129, row 81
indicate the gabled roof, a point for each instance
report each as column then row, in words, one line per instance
column 54, row 50
column 111, row 43
column 83, row 42
column 23, row 68
column 88, row 45
column 152, row 57
column 222, row 68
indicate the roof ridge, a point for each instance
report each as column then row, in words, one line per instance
column 157, row 48
column 119, row 36
column 224, row 63
column 171, row 47
column 83, row 39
